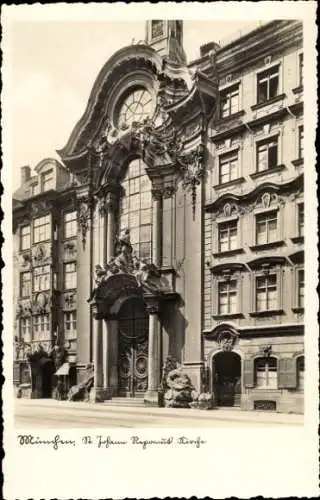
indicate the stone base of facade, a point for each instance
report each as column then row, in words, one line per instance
column 98, row 395
column 151, row 398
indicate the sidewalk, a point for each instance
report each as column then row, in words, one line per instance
column 233, row 414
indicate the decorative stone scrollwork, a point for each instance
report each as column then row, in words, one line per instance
column 192, row 169
column 226, row 340
column 24, row 308
column 39, row 255
column 26, row 259
column 107, row 203
column 41, row 303
column 84, row 211
column 38, row 207
column 266, row 351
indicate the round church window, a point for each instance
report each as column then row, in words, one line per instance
column 136, row 107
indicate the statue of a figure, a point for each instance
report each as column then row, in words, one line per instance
column 99, row 276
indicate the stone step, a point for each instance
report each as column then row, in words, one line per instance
column 118, row 401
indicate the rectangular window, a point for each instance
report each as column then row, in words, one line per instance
column 266, row 228
column 41, row 278
column 41, row 327
column 157, row 29
column 229, row 101
column 25, row 329
column 70, row 276
column 300, row 373
column 70, row 224
column 47, row 180
column 300, row 291
column 267, row 155
column 266, row 293
column 25, row 284
column 25, row 237
column 228, row 167
column 300, row 70
column 70, row 324
column 41, row 229
column 268, row 84
column 301, row 219
column 228, row 233
column 300, row 142
column 266, row 373
column 227, row 293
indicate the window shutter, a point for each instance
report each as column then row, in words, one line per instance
column 16, row 372
column 287, row 374
column 248, row 373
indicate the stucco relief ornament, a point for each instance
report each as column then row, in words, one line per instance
column 226, row 341
column 192, row 168
column 83, row 216
column 39, row 254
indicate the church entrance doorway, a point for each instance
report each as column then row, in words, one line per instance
column 133, row 349
column 227, row 378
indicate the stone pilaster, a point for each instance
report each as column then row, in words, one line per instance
column 154, row 354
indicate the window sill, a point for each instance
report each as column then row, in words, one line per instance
column 266, row 246
column 239, row 180
column 298, row 162
column 227, row 253
column 234, row 116
column 298, row 90
column 260, row 105
column 298, row 310
column 273, row 312
column 272, row 170
column 227, row 316
column 297, row 239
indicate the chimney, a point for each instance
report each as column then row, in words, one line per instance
column 25, row 174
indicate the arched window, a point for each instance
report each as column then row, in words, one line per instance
column 300, row 373
column 136, row 208
column 266, row 373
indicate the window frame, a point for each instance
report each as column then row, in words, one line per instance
column 300, row 71
column 226, row 90
column 25, row 328
column 228, row 223
column 21, row 294
column 266, row 387
column 298, row 219
column 36, row 227
column 44, row 319
column 278, row 271
column 234, row 291
column 225, row 157
column 49, row 173
column 68, row 273
column 268, row 68
column 267, row 141
column 22, row 237
column 70, row 317
column 37, row 278
column 67, row 223
column 300, row 140
column 265, row 213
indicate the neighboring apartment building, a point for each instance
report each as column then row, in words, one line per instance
column 212, row 193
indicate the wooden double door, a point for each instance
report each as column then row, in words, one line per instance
column 227, row 378
column 133, row 349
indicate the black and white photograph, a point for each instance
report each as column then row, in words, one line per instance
column 156, row 221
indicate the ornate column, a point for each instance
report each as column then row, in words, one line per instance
column 110, row 205
column 154, row 362
column 156, row 225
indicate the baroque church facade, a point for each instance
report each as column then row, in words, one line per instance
column 172, row 228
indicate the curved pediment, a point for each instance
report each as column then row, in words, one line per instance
column 126, row 61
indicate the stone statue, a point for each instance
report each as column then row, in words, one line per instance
column 180, row 393
column 99, row 276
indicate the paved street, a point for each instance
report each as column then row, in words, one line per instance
column 63, row 414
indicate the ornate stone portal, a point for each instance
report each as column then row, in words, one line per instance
column 126, row 279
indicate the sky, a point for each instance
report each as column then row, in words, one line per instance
column 54, row 66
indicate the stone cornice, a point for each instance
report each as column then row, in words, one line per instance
column 249, row 50
column 292, row 184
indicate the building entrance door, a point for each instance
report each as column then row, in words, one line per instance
column 133, row 349
column 227, row 378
